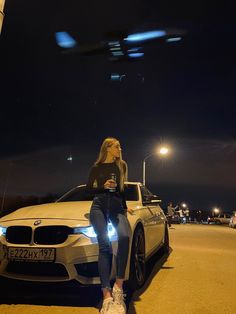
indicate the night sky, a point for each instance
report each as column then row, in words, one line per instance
column 183, row 93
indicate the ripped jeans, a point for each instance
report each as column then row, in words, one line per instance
column 108, row 206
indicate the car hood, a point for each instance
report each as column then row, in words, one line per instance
column 62, row 210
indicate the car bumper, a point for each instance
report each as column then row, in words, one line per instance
column 76, row 259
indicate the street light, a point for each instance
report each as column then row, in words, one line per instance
column 216, row 211
column 162, row 151
column 70, row 158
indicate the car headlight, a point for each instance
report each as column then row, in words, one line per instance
column 90, row 233
column 87, row 231
column 3, row 231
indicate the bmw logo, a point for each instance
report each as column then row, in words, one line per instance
column 37, row 222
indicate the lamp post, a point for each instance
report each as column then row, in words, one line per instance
column 144, row 167
column 163, row 151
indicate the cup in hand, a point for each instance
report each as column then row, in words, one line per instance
column 111, row 184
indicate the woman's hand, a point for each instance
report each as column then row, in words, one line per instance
column 109, row 184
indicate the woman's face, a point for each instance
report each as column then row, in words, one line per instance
column 115, row 149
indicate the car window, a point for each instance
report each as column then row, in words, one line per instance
column 145, row 192
column 146, row 195
column 77, row 194
column 81, row 194
column 131, row 192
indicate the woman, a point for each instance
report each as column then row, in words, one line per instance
column 106, row 181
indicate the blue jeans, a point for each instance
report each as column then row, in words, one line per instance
column 108, row 206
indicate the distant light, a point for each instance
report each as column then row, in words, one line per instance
column 164, row 151
column 114, row 43
column 117, row 77
column 134, row 49
column 169, row 40
column 145, row 36
column 115, row 48
column 69, row 158
column 216, row 210
column 136, row 54
column 65, row 40
column 117, row 53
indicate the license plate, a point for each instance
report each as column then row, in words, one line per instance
column 31, row 254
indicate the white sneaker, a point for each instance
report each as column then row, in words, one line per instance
column 118, row 296
column 108, row 307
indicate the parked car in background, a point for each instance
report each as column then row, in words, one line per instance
column 56, row 242
column 176, row 219
column 210, row 220
column 232, row 222
column 220, row 219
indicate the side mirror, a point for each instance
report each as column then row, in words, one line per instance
column 149, row 199
column 155, row 199
column 146, row 199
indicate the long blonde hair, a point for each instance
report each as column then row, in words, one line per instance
column 109, row 141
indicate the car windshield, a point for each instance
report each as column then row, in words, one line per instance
column 81, row 194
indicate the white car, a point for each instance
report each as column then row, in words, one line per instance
column 222, row 219
column 232, row 222
column 56, row 242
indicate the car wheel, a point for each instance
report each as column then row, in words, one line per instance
column 137, row 261
column 166, row 245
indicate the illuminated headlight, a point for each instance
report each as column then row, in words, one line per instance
column 2, row 231
column 87, row 231
column 90, row 233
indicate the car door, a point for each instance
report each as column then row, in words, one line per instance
column 154, row 220
column 226, row 218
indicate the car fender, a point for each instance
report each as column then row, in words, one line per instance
column 134, row 224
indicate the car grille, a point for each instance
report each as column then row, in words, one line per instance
column 42, row 235
column 37, row 269
column 51, row 234
column 19, row 234
column 87, row 269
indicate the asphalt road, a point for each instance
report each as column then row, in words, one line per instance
column 199, row 276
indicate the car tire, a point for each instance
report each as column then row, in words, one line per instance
column 166, row 245
column 137, row 261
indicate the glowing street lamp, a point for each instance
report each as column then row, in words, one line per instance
column 161, row 151
column 216, row 210
column 70, row 158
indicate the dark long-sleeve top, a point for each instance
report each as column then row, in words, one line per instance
column 99, row 174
